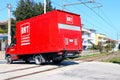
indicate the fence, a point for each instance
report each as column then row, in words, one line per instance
column 87, row 52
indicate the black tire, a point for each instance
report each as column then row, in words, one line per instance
column 9, row 59
column 38, row 60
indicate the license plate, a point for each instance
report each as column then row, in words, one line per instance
column 70, row 54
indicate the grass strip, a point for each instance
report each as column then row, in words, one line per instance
column 113, row 60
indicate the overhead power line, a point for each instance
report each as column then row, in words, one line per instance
column 96, row 26
column 84, row 19
column 61, row 6
column 71, row 4
column 99, row 16
column 3, row 8
column 108, row 28
column 76, row 9
column 107, row 18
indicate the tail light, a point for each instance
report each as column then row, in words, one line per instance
column 75, row 42
column 66, row 41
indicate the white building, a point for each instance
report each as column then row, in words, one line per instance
column 88, row 37
column 3, row 37
column 3, row 42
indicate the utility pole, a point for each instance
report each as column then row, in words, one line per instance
column 117, row 37
column 9, row 23
column 44, row 6
column 110, row 43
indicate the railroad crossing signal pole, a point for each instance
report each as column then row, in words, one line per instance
column 9, row 23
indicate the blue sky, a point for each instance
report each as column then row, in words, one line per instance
column 109, row 12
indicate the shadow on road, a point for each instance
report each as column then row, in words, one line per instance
column 67, row 63
column 63, row 63
column 116, row 62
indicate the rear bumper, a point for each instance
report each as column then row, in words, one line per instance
column 72, row 54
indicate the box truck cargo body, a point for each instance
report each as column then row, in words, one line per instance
column 51, row 36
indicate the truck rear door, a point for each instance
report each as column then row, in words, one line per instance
column 70, row 36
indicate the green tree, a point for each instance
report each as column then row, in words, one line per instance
column 28, row 8
column 100, row 46
column 24, row 10
column 94, row 47
column 113, row 44
column 3, row 28
column 108, row 47
column 38, row 9
column 49, row 6
column 2, row 31
column 13, row 27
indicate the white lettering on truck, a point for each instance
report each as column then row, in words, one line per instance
column 69, row 19
column 24, row 29
column 25, row 34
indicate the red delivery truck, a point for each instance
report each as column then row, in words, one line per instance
column 53, row 36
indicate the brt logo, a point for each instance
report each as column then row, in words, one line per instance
column 25, row 34
column 69, row 19
column 25, row 29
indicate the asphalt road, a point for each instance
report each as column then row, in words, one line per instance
column 67, row 70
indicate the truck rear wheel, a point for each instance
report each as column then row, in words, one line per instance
column 39, row 59
column 9, row 59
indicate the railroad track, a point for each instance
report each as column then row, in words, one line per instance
column 32, row 73
column 19, row 69
column 95, row 58
column 35, row 72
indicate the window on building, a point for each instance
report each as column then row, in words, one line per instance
column 89, row 35
column 89, row 41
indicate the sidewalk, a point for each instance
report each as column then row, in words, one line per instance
column 2, row 55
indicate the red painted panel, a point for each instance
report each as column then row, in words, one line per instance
column 68, row 18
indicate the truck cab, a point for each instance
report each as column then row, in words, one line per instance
column 11, row 50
